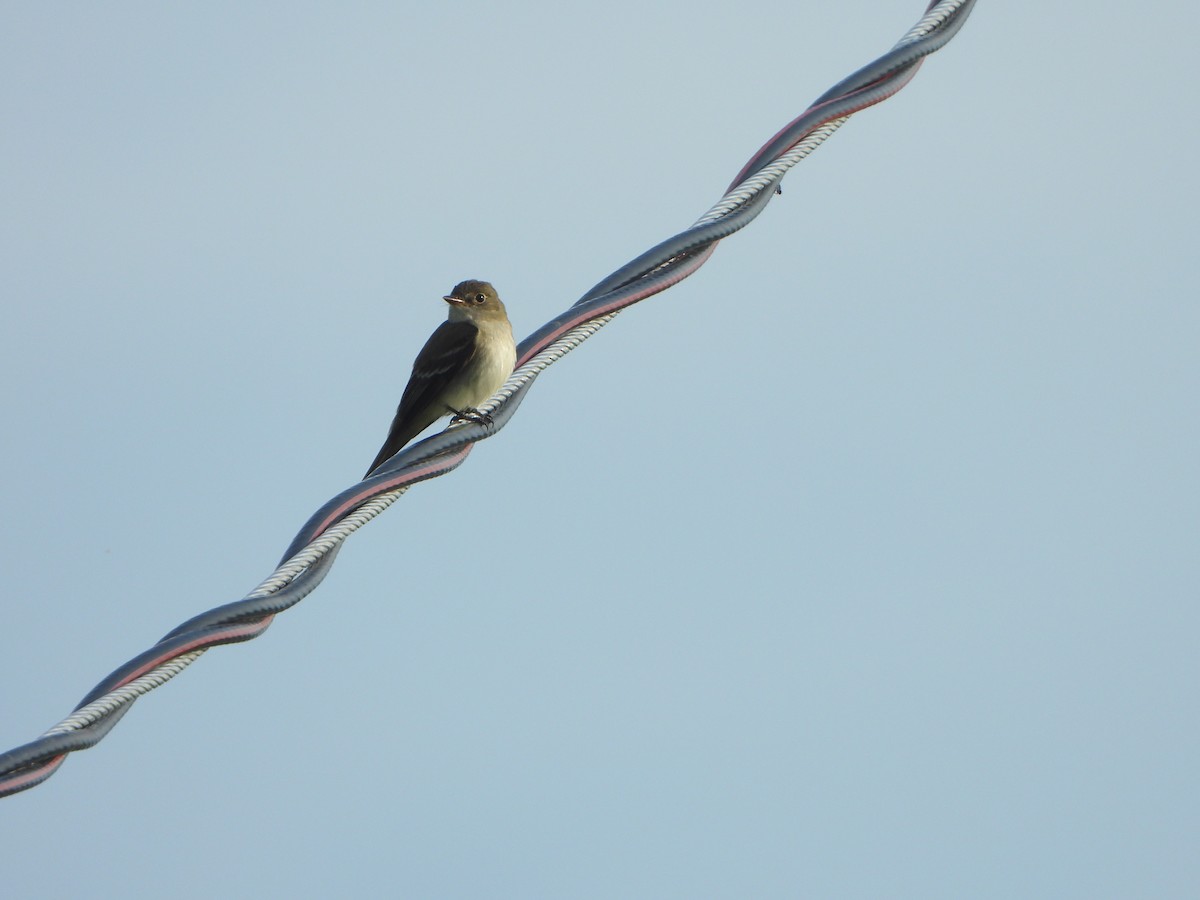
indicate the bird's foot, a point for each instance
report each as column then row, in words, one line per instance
column 472, row 415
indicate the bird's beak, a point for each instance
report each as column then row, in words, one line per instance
column 454, row 300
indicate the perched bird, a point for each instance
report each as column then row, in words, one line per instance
column 464, row 362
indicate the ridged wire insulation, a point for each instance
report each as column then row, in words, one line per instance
column 456, row 441
column 282, row 576
column 108, row 704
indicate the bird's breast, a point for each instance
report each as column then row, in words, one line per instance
column 490, row 368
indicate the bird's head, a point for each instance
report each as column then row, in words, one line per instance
column 474, row 301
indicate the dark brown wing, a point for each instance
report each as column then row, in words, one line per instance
column 444, row 355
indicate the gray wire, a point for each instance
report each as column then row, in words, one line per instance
column 306, row 564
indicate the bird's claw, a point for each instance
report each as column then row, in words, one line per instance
column 473, row 416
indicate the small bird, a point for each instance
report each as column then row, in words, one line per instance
column 464, row 362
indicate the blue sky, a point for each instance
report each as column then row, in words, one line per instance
column 861, row 564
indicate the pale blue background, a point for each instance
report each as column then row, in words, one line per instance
column 863, row 564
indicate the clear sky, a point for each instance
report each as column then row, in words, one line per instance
column 862, row 564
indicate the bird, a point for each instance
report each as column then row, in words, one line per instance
column 464, row 362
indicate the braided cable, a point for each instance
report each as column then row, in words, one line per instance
column 314, row 549
column 769, row 175
column 92, row 712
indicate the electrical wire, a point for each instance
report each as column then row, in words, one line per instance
column 312, row 552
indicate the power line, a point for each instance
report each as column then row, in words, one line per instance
column 314, row 549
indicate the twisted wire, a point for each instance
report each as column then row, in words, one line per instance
column 314, row 549
column 92, row 712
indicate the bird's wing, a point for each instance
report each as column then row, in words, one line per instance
column 444, row 355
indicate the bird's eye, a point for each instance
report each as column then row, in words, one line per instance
column 479, row 298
